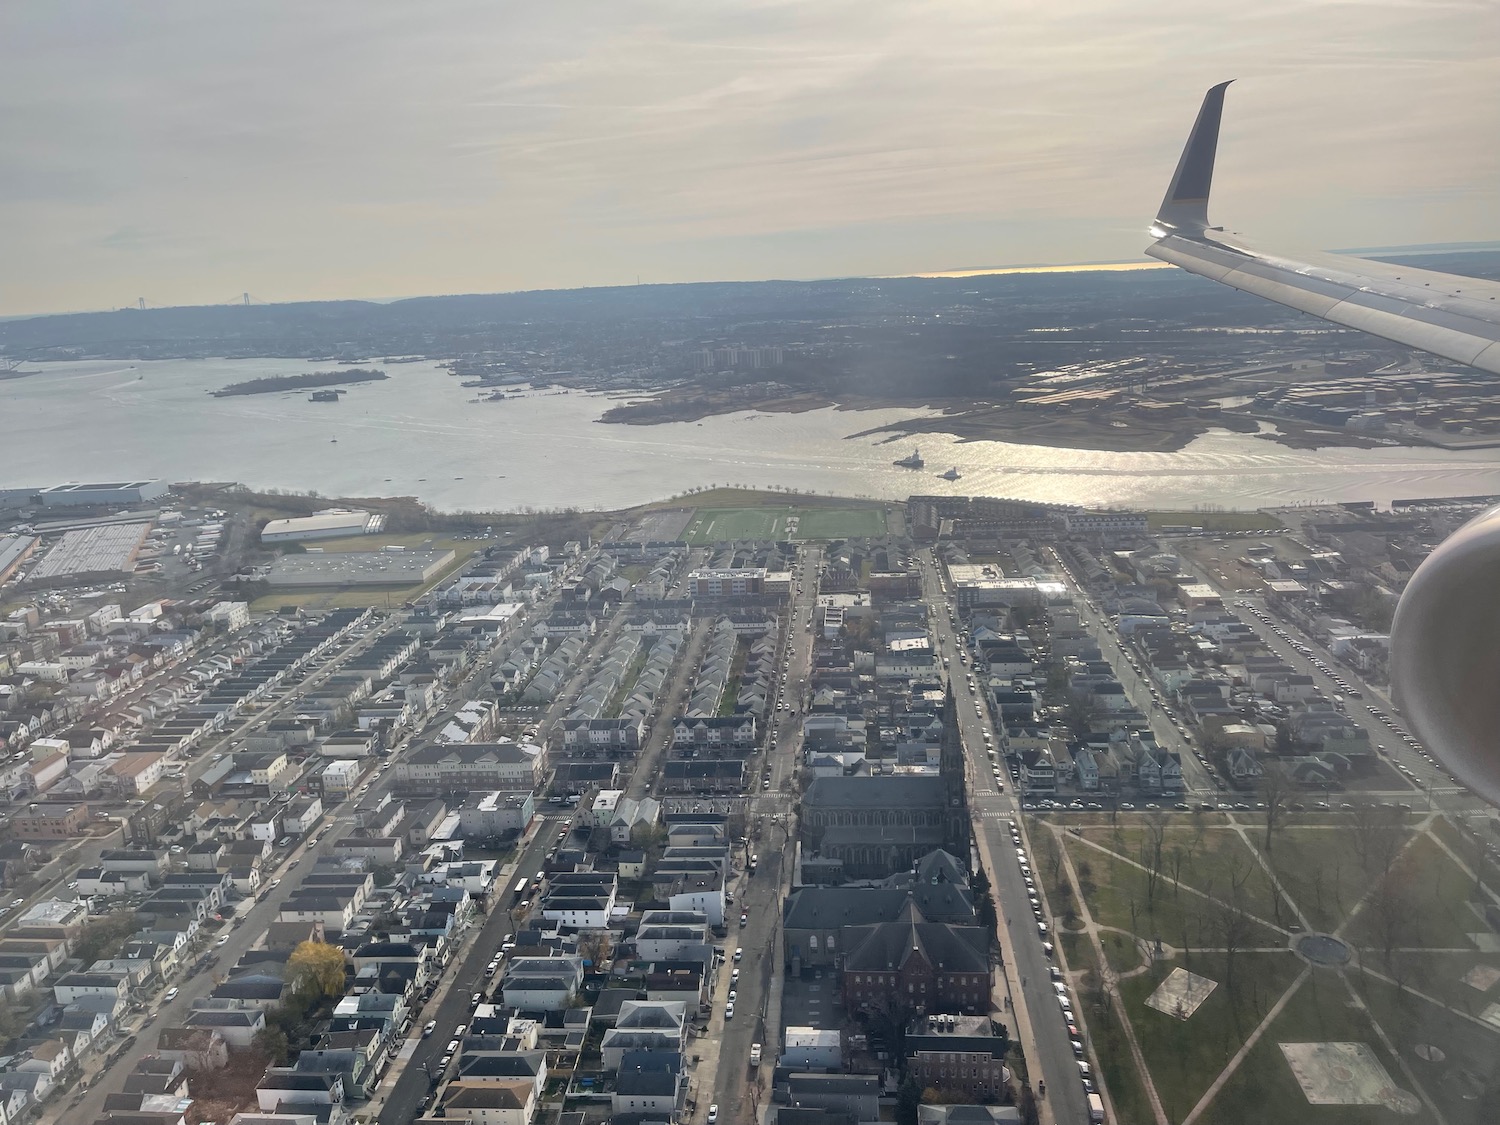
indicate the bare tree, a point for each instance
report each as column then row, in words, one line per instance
column 1175, row 859
column 1376, row 833
column 1234, row 924
column 1151, row 855
column 1394, row 912
column 1273, row 791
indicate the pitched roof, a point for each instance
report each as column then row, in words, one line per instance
column 875, row 792
column 887, row 946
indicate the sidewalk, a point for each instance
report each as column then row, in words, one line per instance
column 1015, row 1013
column 446, row 983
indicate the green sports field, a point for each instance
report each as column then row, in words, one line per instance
column 712, row 525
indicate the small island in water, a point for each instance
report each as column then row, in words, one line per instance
column 274, row 383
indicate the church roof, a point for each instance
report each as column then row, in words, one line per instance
column 875, row 792
column 887, row 946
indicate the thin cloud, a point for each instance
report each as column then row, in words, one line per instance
column 372, row 146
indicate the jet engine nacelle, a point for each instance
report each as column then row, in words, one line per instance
column 1445, row 654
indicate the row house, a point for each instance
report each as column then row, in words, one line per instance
column 714, row 733
column 615, row 737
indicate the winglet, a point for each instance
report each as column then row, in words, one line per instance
column 1186, row 206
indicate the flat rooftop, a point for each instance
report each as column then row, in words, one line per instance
column 100, row 486
column 359, row 568
column 322, row 522
column 93, row 550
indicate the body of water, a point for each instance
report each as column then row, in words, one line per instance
column 418, row 434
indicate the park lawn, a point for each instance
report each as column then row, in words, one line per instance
column 1122, row 1080
column 1177, row 919
column 1441, row 975
column 768, row 521
column 1214, row 521
column 1122, row 953
column 1437, row 893
column 1208, row 860
column 1264, row 1089
column 1468, row 852
column 711, row 525
column 1078, row 952
column 840, row 523
column 1185, row 1056
column 1409, row 1021
column 1047, row 870
column 1320, row 870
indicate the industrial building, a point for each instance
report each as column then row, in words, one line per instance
column 14, row 550
column 358, row 568
column 105, row 494
column 104, row 549
column 334, row 523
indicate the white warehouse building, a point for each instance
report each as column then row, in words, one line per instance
column 334, row 523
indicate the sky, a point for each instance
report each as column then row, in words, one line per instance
column 185, row 153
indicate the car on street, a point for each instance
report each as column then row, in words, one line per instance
column 428, row 1028
column 171, row 995
column 713, row 1113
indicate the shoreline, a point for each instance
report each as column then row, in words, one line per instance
column 969, row 422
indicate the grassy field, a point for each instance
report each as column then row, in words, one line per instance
column 1122, row 953
column 1432, row 909
column 1181, row 919
column 712, row 525
column 1208, row 860
column 1469, row 1048
column 1121, row 1078
column 1321, row 871
column 1185, row 1056
column 1078, row 951
column 1214, row 521
column 1264, row 1089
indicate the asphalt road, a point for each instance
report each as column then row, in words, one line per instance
column 1430, row 780
column 467, row 977
column 760, row 895
column 1050, row 1056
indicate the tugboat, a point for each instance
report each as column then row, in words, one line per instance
column 951, row 474
column 913, row 462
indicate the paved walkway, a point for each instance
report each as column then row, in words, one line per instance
column 1245, row 1048
column 1091, row 931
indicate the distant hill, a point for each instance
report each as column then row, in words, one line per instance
column 629, row 323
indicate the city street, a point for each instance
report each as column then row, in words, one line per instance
column 1036, row 1018
column 460, row 980
column 740, row 1094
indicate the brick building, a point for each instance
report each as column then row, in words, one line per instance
column 50, row 822
column 923, row 966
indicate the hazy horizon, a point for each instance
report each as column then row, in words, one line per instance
column 379, row 150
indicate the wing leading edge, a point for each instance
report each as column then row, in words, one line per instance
column 1449, row 315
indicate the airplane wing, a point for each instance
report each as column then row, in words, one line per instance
column 1449, row 315
column 1445, row 641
